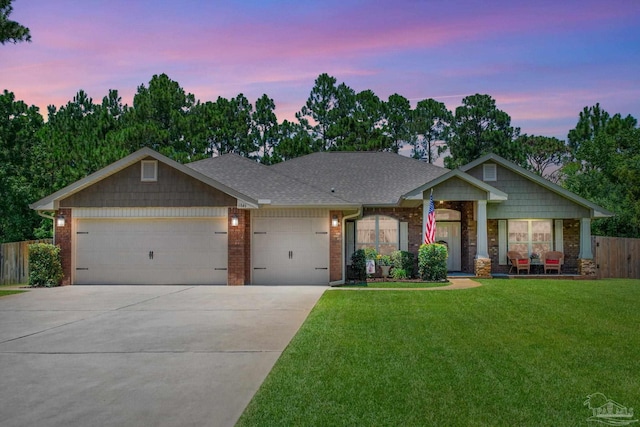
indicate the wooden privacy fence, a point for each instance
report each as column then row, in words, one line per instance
column 616, row 257
column 14, row 261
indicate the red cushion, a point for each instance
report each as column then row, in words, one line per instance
column 523, row 261
column 553, row 261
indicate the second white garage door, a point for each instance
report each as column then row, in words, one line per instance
column 290, row 251
column 151, row 251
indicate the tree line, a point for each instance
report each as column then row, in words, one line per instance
column 600, row 160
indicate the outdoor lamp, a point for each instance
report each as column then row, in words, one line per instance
column 334, row 221
column 234, row 220
column 60, row 221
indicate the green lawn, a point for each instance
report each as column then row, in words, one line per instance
column 387, row 285
column 9, row 292
column 512, row 352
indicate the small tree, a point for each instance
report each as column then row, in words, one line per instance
column 432, row 262
column 359, row 264
column 45, row 267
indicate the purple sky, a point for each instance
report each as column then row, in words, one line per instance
column 543, row 61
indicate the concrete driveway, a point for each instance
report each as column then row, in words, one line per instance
column 142, row 355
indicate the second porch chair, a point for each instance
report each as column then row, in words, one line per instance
column 552, row 261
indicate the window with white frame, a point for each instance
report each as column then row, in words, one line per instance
column 530, row 236
column 149, row 170
column 379, row 232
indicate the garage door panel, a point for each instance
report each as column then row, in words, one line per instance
column 290, row 251
column 185, row 251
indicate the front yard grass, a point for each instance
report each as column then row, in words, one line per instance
column 406, row 284
column 512, row 352
column 4, row 292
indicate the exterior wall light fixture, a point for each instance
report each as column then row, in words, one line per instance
column 334, row 221
column 234, row 220
column 60, row 221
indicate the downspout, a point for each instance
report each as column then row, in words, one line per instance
column 344, row 247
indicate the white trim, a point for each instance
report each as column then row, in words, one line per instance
column 291, row 213
column 148, row 170
column 162, row 212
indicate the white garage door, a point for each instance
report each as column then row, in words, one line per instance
column 290, row 251
column 151, row 251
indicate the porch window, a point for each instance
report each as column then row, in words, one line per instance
column 379, row 232
column 530, row 236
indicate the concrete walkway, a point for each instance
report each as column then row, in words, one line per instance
column 142, row 355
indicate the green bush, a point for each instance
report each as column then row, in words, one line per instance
column 403, row 260
column 359, row 264
column 370, row 253
column 45, row 267
column 399, row 273
column 432, row 262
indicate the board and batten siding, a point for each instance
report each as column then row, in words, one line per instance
column 527, row 199
column 455, row 189
column 126, row 189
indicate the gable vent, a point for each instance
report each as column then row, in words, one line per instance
column 489, row 172
column 149, row 170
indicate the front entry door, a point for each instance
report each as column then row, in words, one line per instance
column 449, row 234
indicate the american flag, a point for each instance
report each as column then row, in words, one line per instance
column 430, row 226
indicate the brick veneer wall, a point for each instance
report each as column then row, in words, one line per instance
column 335, row 247
column 412, row 216
column 63, row 239
column 239, row 248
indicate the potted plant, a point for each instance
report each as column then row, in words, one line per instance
column 384, row 261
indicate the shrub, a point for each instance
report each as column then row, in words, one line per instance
column 370, row 253
column 45, row 267
column 359, row 264
column 432, row 262
column 399, row 273
column 403, row 260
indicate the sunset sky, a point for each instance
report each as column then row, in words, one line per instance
column 543, row 61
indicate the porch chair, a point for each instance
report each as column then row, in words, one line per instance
column 552, row 261
column 518, row 262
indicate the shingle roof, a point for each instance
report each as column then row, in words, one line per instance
column 263, row 183
column 368, row 178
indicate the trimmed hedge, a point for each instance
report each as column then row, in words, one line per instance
column 45, row 267
column 432, row 262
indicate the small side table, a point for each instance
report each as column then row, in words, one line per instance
column 537, row 267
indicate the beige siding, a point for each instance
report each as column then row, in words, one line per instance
column 455, row 189
column 125, row 189
column 527, row 199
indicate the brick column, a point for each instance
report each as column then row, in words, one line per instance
column 239, row 248
column 63, row 239
column 336, row 257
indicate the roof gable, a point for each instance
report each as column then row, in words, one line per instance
column 492, row 194
column 51, row 202
column 597, row 211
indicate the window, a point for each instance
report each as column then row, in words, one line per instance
column 379, row 232
column 530, row 236
column 149, row 170
column 489, row 172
